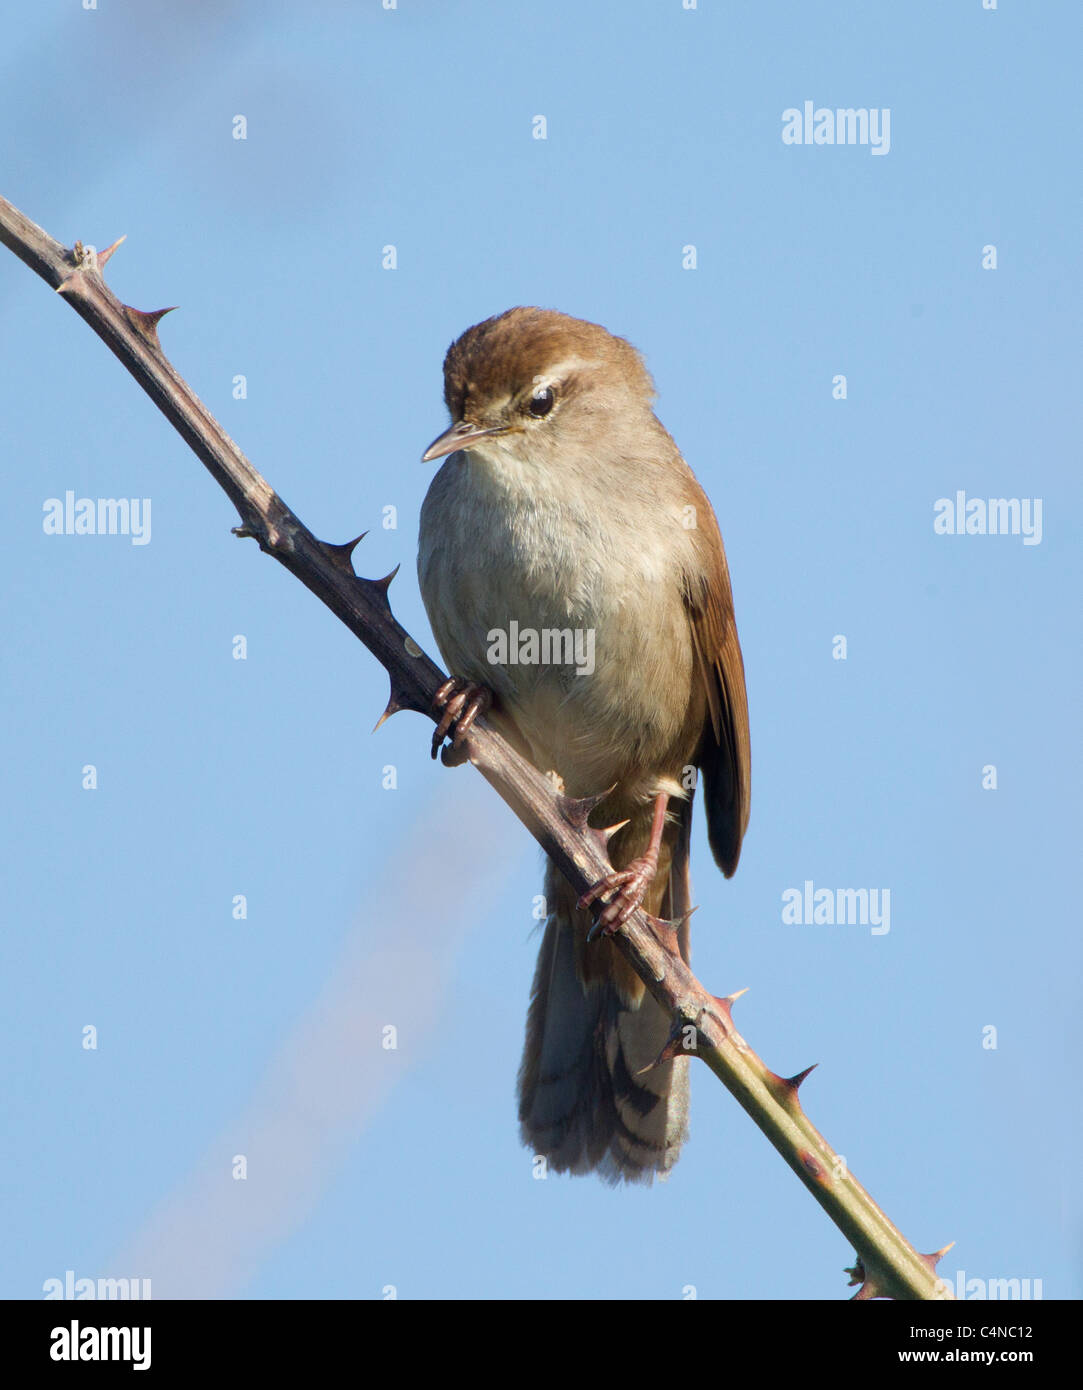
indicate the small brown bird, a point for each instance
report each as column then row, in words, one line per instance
column 575, row 580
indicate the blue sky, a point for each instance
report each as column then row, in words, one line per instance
column 369, row 1168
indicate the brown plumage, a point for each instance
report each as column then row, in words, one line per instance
column 565, row 505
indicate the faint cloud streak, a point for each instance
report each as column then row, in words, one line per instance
column 331, row 1075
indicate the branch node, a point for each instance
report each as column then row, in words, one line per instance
column 869, row 1287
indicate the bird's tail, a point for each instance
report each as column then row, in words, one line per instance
column 584, row 1101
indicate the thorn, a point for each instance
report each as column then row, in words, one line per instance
column 794, row 1081
column 575, row 810
column 598, row 838
column 670, row 926
column 610, row 830
column 785, row 1087
column 385, row 582
column 69, row 280
column 146, row 324
column 341, row 556
column 671, row 1048
column 666, row 932
column 725, row 1007
column 934, row 1259
column 103, row 256
column 393, row 707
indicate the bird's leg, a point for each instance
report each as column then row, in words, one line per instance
column 623, row 890
column 462, row 701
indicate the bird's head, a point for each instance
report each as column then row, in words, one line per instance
column 534, row 383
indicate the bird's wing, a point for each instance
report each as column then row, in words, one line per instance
column 724, row 749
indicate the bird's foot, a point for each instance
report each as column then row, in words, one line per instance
column 462, row 701
column 623, row 890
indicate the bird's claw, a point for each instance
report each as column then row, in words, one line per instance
column 622, row 891
column 462, row 701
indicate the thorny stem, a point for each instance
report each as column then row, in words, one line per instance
column 888, row 1265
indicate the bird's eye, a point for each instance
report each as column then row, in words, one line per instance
column 541, row 402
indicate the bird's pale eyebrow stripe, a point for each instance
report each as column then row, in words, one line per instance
column 560, row 370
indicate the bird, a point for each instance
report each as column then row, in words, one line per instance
column 564, row 507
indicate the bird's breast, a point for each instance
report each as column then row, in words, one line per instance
column 542, row 589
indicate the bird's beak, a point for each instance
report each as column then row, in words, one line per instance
column 459, row 436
